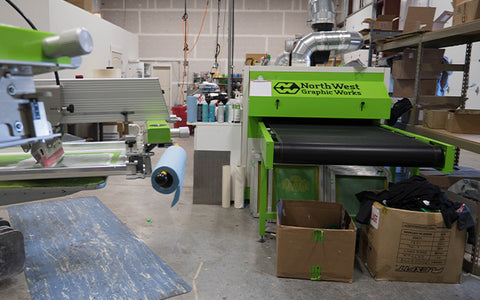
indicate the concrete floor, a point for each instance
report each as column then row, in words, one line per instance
column 224, row 243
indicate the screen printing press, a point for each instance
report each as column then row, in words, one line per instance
column 324, row 116
column 35, row 160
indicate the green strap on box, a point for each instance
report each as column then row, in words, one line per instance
column 318, row 235
column 316, row 273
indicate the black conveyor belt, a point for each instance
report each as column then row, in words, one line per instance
column 350, row 145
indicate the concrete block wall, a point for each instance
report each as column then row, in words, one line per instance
column 261, row 26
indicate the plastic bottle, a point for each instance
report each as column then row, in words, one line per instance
column 227, row 108
column 204, row 111
column 199, row 112
column 236, row 108
column 221, row 113
column 230, row 110
column 211, row 111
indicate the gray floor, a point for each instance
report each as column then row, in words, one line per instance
column 220, row 247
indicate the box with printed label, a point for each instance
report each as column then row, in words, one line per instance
column 315, row 240
column 405, row 245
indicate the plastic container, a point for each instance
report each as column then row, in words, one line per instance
column 211, row 111
column 204, row 111
column 221, row 113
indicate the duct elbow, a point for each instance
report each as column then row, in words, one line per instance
column 283, row 59
column 331, row 43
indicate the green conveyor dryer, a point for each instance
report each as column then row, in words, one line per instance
column 327, row 116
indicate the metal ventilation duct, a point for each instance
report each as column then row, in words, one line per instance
column 335, row 42
column 283, row 59
column 321, row 15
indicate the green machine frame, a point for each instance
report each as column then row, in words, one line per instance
column 326, row 92
column 24, row 47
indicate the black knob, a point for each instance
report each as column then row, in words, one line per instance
column 164, row 179
column 71, row 108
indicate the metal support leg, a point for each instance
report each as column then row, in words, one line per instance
column 263, row 201
column 466, row 71
column 416, row 90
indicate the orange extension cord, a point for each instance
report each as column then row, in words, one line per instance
column 186, row 25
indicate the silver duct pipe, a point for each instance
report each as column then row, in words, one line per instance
column 320, row 12
column 337, row 42
column 283, row 59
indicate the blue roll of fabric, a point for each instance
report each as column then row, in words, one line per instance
column 168, row 175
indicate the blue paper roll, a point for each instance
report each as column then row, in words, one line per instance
column 191, row 109
column 169, row 172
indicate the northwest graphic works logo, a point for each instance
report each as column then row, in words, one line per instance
column 286, row 88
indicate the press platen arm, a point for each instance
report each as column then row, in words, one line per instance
column 25, row 53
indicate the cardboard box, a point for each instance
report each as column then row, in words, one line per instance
column 405, row 88
column 465, row 11
column 406, row 67
column 435, row 119
column 405, row 245
column 382, row 22
column 307, row 248
column 85, row 4
column 419, row 19
column 252, row 59
column 465, row 121
column 444, row 181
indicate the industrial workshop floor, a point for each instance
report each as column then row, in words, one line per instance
column 216, row 250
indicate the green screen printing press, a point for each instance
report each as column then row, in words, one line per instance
column 34, row 110
column 301, row 117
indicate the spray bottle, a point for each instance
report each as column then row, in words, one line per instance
column 236, row 108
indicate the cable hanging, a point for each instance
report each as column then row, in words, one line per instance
column 19, row 11
column 217, row 45
column 186, row 50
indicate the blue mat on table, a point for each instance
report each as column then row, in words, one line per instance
column 78, row 249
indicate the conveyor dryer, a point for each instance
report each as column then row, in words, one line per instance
column 326, row 116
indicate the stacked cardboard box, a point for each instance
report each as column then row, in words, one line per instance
column 403, row 73
column 435, row 119
column 465, row 11
column 382, row 22
column 466, row 121
column 444, row 181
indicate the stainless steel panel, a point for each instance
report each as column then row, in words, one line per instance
column 108, row 100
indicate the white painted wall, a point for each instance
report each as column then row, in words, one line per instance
column 106, row 37
column 37, row 11
column 57, row 16
column 354, row 23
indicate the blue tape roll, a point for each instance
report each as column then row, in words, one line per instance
column 172, row 166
